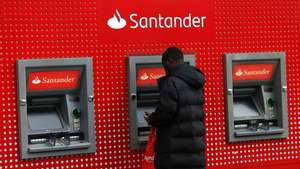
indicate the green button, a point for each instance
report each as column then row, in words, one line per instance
column 271, row 102
column 76, row 113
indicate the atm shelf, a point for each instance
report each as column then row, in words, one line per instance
column 44, row 148
column 150, row 95
column 271, row 131
column 42, row 133
column 249, row 118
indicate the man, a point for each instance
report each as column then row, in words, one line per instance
column 179, row 117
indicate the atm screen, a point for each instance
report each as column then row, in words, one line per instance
column 44, row 119
column 140, row 115
column 53, row 80
column 244, row 107
column 252, row 72
column 147, row 75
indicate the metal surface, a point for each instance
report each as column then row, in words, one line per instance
column 48, row 113
column 255, row 109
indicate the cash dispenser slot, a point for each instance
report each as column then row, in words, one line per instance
column 47, row 114
column 44, row 118
column 245, row 104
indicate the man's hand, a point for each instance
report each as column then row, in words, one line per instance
column 147, row 116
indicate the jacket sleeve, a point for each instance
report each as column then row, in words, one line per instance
column 167, row 107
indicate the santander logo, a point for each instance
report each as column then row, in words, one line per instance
column 116, row 22
column 157, row 21
column 253, row 72
column 53, row 80
column 239, row 73
column 151, row 76
column 46, row 80
column 148, row 76
column 36, row 80
column 144, row 76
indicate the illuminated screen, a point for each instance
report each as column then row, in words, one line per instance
column 147, row 76
column 53, row 80
column 252, row 72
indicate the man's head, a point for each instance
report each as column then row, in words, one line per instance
column 171, row 58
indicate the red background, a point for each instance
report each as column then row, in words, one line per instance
column 71, row 28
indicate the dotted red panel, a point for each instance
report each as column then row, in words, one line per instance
column 68, row 28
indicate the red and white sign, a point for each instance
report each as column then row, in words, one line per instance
column 156, row 20
column 250, row 72
column 148, row 76
column 53, row 80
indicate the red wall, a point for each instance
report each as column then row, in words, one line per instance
column 70, row 28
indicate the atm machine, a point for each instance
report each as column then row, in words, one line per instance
column 143, row 94
column 55, row 106
column 256, row 96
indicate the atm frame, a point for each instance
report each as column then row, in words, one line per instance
column 255, row 58
column 133, row 62
column 24, row 66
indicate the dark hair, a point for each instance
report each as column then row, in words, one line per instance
column 172, row 53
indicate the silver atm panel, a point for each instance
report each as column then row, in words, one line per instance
column 55, row 106
column 256, row 98
column 143, row 94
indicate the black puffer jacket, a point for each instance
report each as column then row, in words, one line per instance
column 179, row 120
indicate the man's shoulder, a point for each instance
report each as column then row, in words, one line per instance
column 169, row 81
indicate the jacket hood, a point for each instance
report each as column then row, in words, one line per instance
column 191, row 75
